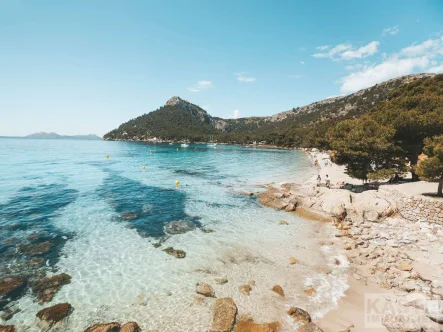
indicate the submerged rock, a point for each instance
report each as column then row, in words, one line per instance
column 7, row 328
column 205, row 290
column 300, row 315
column 179, row 227
column 221, row 281
column 310, row 291
column 11, row 288
column 177, row 253
column 55, row 313
column 106, row 327
column 250, row 326
column 279, row 290
column 129, row 216
column 46, row 288
column 224, row 315
column 36, row 250
column 130, row 327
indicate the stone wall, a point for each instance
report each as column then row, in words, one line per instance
column 421, row 209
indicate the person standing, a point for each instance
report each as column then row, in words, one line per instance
column 328, row 181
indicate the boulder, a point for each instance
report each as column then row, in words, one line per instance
column 310, row 327
column 107, row 327
column 245, row 289
column 177, row 253
column 179, row 227
column 12, row 286
column 224, row 315
column 205, row 290
column 46, row 288
column 277, row 289
column 55, row 313
column 130, row 327
column 336, row 202
column 372, row 206
column 300, row 315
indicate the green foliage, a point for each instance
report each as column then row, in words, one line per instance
column 432, row 167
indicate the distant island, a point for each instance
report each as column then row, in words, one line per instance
column 44, row 135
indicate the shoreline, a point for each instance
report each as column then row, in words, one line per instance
column 386, row 257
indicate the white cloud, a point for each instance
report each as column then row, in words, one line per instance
column 201, row 85
column 361, row 52
column 242, row 78
column 348, row 52
column 391, row 31
column 391, row 68
column 322, row 48
column 437, row 69
column 302, row 62
column 236, row 114
column 419, row 57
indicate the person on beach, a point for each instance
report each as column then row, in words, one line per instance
column 328, row 181
column 326, row 162
column 318, row 180
column 315, row 162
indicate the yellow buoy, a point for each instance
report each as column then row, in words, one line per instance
column 177, row 183
column 107, row 156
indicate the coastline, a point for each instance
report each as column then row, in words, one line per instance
column 394, row 254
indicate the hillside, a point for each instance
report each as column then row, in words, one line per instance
column 179, row 119
column 44, row 135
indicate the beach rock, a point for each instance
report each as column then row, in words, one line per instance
column 9, row 313
column 310, row 327
column 300, row 315
column 245, row 289
column 130, row 327
column 46, row 288
column 179, row 227
column 277, row 289
column 371, row 207
column 335, row 203
column 283, row 222
column 250, row 326
column 129, row 216
column 224, row 315
column 221, row 281
column 55, row 313
column 12, row 286
column 205, row 290
column 272, row 198
column 309, row 291
column 177, row 253
column 107, row 327
column 7, row 328
column 293, row 260
column 407, row 323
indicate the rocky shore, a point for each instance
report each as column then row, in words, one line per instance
column 394, row 244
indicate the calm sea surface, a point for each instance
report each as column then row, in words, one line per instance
column 66, row 208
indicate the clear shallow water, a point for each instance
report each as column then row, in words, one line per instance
column 102, row 217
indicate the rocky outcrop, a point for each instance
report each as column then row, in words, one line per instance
column 421, row 209
column 46, row 288
column 11, row 288
column 205, row 290
column 310, row 327
column 7, row 328
column 55, row 313
column 224, row 316
column 300, row 315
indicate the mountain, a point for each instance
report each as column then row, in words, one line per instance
column 44, row 135
column 179, row 119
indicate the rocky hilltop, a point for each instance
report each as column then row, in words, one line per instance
column 179, row 119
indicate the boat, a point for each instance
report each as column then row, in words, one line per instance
column 184, row 145
column 211, row 143
column 170, row 143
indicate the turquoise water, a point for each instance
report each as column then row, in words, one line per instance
column 101, row 217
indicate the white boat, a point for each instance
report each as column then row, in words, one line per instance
column 211, row 143
column 184, row 145
column 170, row 143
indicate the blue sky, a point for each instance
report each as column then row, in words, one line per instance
column 78, row 67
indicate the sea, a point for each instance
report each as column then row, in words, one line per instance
column 105, row 207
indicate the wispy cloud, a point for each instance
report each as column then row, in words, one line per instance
column 201, row 85
column 348, row 52
column 295, row 76
column 242, row 78
column 302, row 62
column 235, row 115
column 420, row 57
column 322, row 48
column 391, row 31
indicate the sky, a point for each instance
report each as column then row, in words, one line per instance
column 81, row 67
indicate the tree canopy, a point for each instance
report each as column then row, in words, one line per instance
column 431, row 168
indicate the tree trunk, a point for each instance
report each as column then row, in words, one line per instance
column 440, row 187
